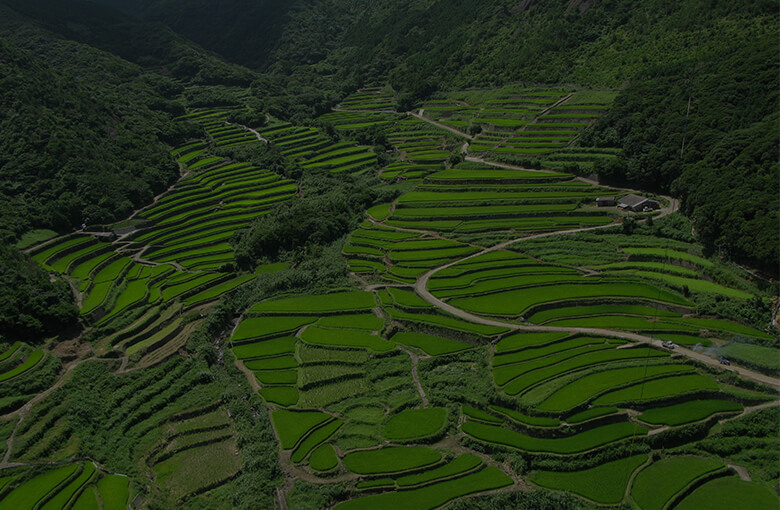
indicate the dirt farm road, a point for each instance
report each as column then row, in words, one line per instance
column 421, row 286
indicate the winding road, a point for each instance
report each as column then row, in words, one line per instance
column 421, row 287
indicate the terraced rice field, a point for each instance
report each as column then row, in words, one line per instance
column 415, row 424
column 317, row 152
column 369, row 99
column 656, row 485
column 129, row 295
column 76, row 484
column 421, row 149
column 400, row 256
column 350, row 121
column 200, row 454
column 604, row 484
column 177, row 257
column 520, row 125
column 502, row 110
column 476, row 198
column 730, row 492
column 374, row 385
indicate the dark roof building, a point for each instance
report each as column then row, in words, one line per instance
column 638, row 204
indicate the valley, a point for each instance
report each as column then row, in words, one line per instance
column 380, row 270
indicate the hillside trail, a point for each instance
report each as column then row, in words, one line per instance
column 138, row 257
column 742, row 472
column 431, row 233
column 439, row 124
column 536, row 118
column 76, row 292
column 253, row 131
column 752, row 409
column 415, row 376
column 421, row 288
column 554, row 105
column 420, row 115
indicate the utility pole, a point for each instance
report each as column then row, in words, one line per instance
column 685, row 129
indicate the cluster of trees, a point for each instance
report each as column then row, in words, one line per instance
column 32, row 307
column 329, row 208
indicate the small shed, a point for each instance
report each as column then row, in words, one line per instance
column 637, row 203
column 606, row 201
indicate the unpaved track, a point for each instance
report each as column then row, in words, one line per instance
column 421, row 286
column 253, row 131
column 440, row 125
column 742, row 472
column 415, row 375
column 23, row 411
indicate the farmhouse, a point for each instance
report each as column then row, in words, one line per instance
column 638, row 204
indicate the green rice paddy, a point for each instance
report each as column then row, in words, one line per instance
column 393, row 459
column 432, row 496
column 605, row 484
column 291, row 426
column 328, row 303
column 658, row 483
column 730, row 492
column 581, row 442
column 687, row 412
column 431, row 345
column 414, row 424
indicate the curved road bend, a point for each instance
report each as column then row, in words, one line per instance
column 421, row 289
column 421, row 286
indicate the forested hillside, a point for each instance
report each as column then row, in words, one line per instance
column 85, row 133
